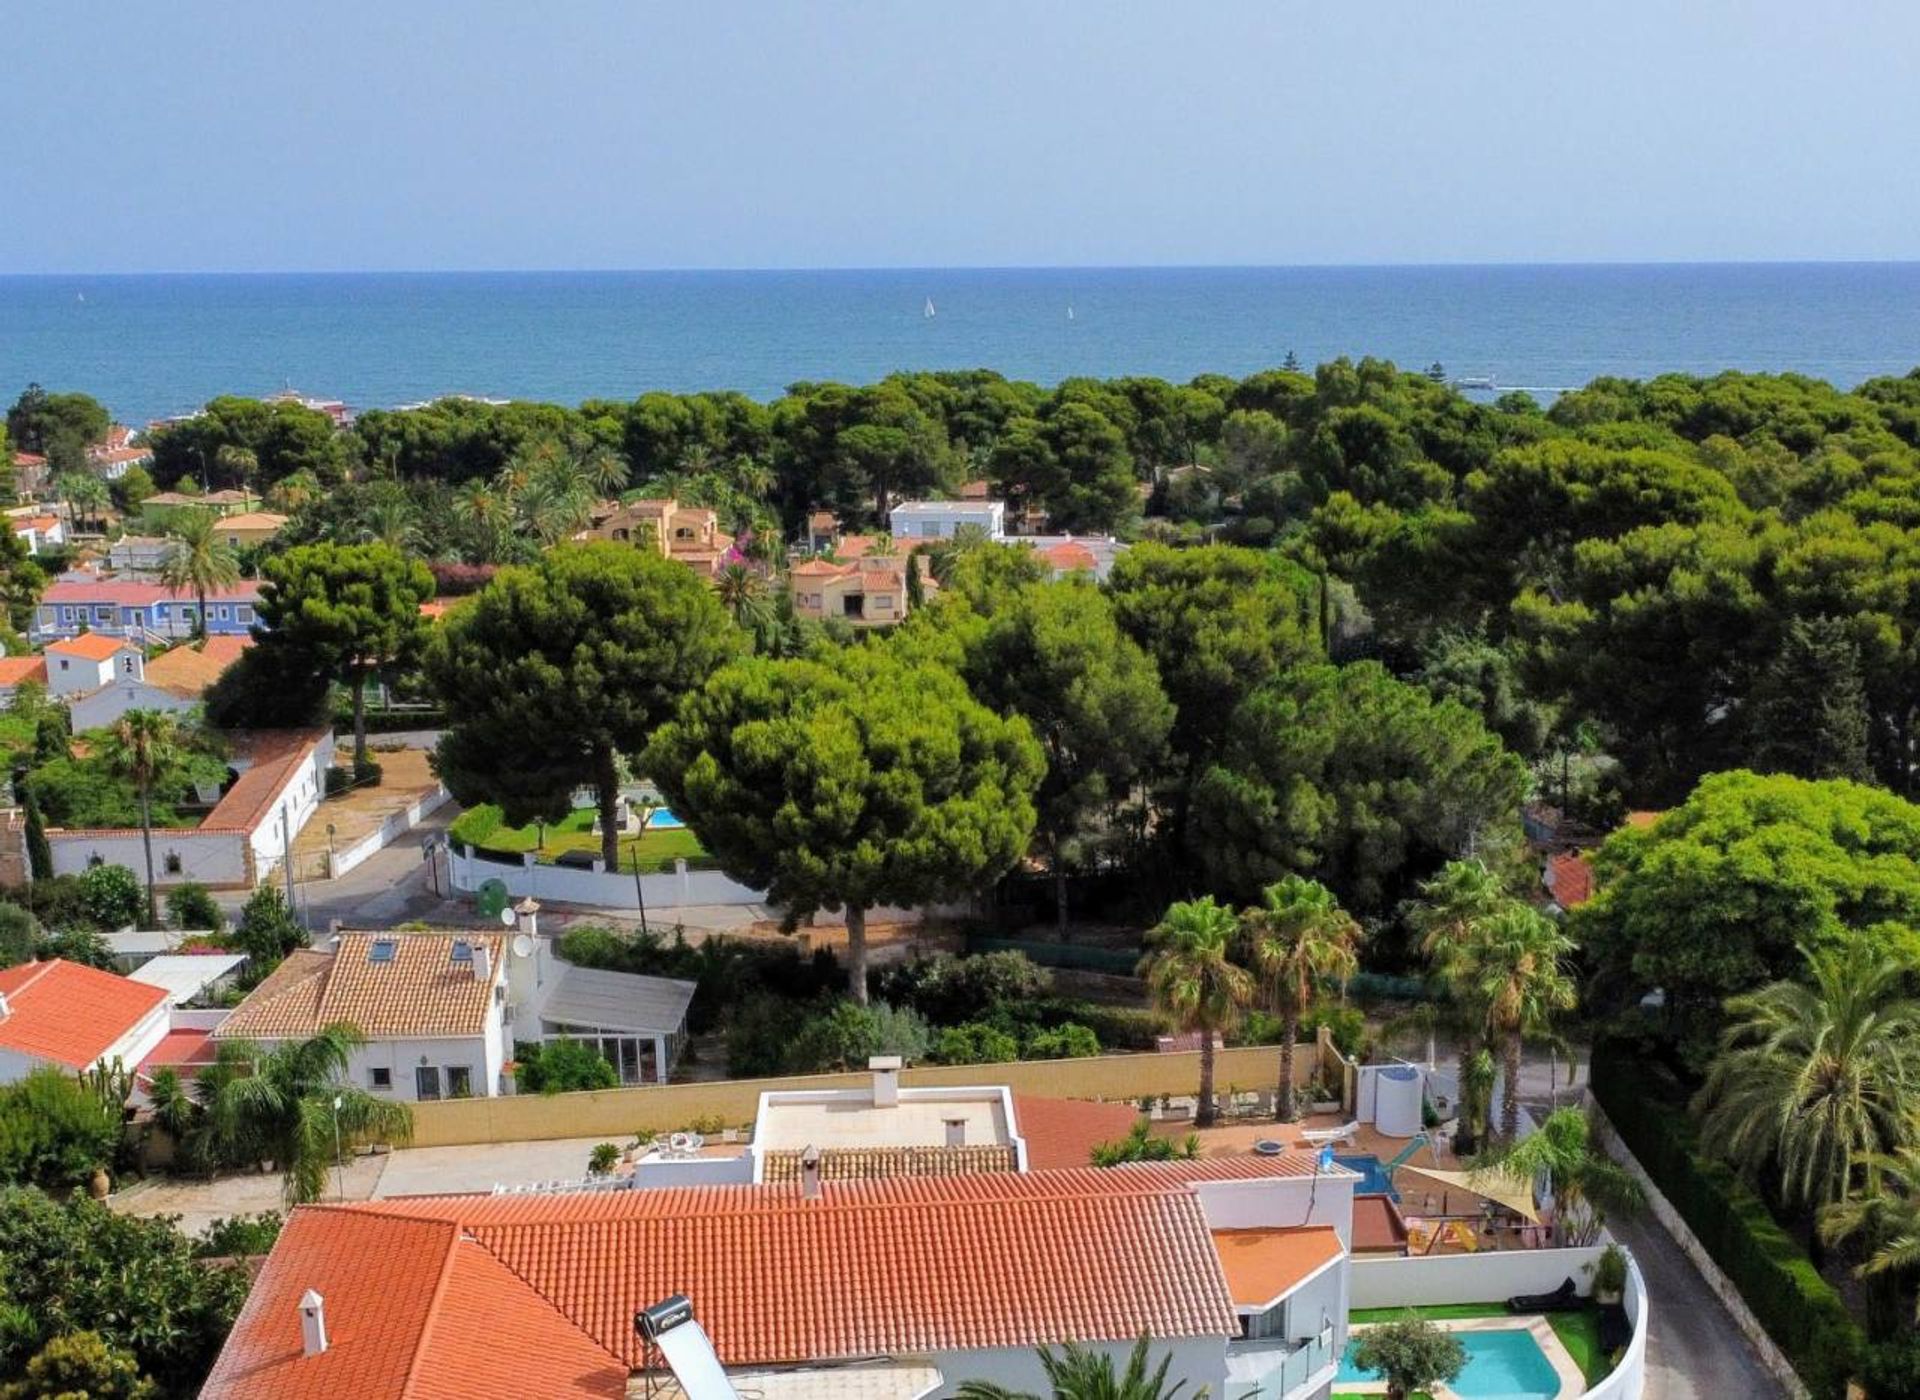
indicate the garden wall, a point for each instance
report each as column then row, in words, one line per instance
column 594, row 887
column 1468, row 1278
column 617, row 1113
column 217, row 859
column 394, row 826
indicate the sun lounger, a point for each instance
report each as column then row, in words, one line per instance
column 1320, row 1137
column 1565, row 1298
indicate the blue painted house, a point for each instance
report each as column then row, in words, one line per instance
column 145, row 611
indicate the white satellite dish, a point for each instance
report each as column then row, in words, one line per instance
column 522, row 946
column 509, row 918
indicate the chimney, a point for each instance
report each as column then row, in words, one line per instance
column 956, row 1131
column 526, row 916
column 886, row 1080
column 313, row 1323
column 810, row 1174
column 482, row 963
column 5, row 1010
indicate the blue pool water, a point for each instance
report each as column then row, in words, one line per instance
column 1373, row 1177
column 1503, row 1365
column 663, row 820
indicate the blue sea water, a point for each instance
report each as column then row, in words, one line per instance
column 156, row 345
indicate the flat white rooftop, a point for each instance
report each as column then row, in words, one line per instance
column 843, row 1118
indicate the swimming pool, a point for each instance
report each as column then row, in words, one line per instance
column 663, row 820
column 1374, row 1180
column 1501, row 1365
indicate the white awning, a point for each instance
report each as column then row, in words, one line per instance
column 618, row 1001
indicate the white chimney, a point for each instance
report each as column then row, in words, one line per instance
column 956, row 1131
column 526, row 915
column 810, row 1174
column 313, row 1323
column 482, row 963
column 5, row 1010
column 886, row 1080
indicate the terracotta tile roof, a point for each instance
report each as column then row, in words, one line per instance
column 1642, row 820
column 14, row 670
column 23, row 523
column 872, row 1163
column 1263, row 1264
column 420, row 991
column 68, row 1013
column 141, row 595
column 1570, row 877
column 1063, row 1132
column 277, row 757
column 29, row 459
column 254, row 520
column 189, row 670
column 853, row 546
column 93, row 646
column 882, row 580
column 1070, row 558
column 905, row 1265
column 819, row 568
column 187, row 1049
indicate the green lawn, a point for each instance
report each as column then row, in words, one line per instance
column 1579, row 1332
column 658, row 850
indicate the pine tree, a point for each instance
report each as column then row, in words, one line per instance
column 1810, row 707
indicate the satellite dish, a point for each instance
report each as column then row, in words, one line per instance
column 491, row 899
column 509, row 918
column 522, row 946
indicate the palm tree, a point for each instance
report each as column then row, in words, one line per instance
column 1298, row 936
column 391, row 520
column 604, row 469
column 1513, row 968
column 742, row 593
column 1081, row 1373
column 1586, row 1185
column 1452, row 906
column 141, row 748
column 198, row 559
column 293, row 491
column 1887, row 1214
column 1191, row 975
column 1822, row 1075
column 297, row 1108
column 237, row 464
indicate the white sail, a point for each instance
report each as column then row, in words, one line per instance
column 929, row 311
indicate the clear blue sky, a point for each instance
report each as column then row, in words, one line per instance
column 626, row 134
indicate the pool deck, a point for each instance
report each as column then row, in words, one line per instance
column 1573, row 1382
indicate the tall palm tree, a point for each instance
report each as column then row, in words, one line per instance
column 391, row 520
column 1452, row 906
column 1886, row 1213
column 198, row 559
column 1586, row 1185
column 297, row 1108
column 1820, row 1075
column 1191, row 975
column 1298, row 936
column 1081, row 1373
column 1513, row 967
column 743, row 593
column 141, row 748
column 605, row 470
column 237, row 464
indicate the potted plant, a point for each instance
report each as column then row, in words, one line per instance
column 601, row 1161
column 508, row 1071
column 1610, row 1276
column 1323, row 1096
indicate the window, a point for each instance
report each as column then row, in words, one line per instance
column 103, row 614
column 379, row 1077
column 126, row 664
column 63, row 664
column 381, row 951
column 173, row 862
column 459, row 1082
column 242, row 613
column 426, row 1082
column 462, row 951
column 222, row 612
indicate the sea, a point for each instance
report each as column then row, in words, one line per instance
column 153, row 346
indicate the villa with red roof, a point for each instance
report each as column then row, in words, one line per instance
column 83, row 602
column 74, row 1017
column 889, row 1288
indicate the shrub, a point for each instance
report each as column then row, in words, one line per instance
column 57, row 901
column 54, row 1131
column 1800, row 1310
column 239, row 1236
column 19, row 934
column 601, row 1161
column 267, row 931
column 1891, row 1370
column 191, row 906
column 726, row 972
column 563, row 1067
column 1069, row 1042
column 473, row 826
column 1140, row 1145
column 1411, row 1354
column 81, row 1366
column 951, row 991
column 1347, row 1025
column 760, row 1034
column 1118, row 1027
column 976, row 1043
column 79, row 945
column 112, row 896
column 847, row 1034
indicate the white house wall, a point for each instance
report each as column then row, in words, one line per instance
column 106, row 705
column 1468, row 1278
column 610, row 891
column 1280, row 1202
column 214, row 858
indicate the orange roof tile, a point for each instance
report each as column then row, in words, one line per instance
column 819, row 568
column 277, row 756
column 1570, row 877
column 254, row 520
column 15, row 670
column 1642, row 820
column 93, row 646
column 1070, row 558
column 419, row 991
column 1263, row 1264
column 882, row 580
column 68, row 1013
column 903, row 1265
column 1063, row 1132
column 189, row 670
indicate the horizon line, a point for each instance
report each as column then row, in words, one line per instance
column 905, row 268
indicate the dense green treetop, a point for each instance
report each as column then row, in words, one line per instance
column 277, row 439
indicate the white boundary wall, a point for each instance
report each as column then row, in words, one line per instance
column 214, row 858
column 394, row 826
column 1469, row 1278
column 1629, row 1379
column 596, row 887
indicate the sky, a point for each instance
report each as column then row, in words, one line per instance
column 498, row 134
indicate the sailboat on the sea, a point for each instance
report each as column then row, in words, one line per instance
column 928, row 313
column 1069, row 311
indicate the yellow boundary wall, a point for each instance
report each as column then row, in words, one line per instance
column 621, row 1113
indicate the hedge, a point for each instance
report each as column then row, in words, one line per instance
column 1799, row 1309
